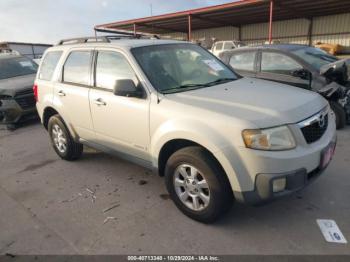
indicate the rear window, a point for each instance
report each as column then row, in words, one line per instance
column 17, row 66
column 77, row 68
column 49, row 65
column 218, row 46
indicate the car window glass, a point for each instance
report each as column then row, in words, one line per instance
column 243, row 61
column 218, row 46
column 278, row 64
column 110, row 67
column 228, row 45
column 77, row 67
column 49, row 65
column 172, row 67
column 16, row 66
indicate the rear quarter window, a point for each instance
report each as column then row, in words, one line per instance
column 49, row 64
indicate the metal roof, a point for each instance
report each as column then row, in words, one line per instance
column 231, row 14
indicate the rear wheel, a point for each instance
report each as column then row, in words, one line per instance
column 62, row 141
column 198, row 185
column 340, row 114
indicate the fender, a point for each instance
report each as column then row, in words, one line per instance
column 187, row 129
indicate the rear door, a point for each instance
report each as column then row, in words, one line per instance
column 71, row 94
column 120, row 122
column 244, row 63
column 280, row 67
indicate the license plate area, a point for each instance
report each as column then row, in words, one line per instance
column 327, row 155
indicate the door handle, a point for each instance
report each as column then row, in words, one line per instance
column 61, row 93
column 100, row 102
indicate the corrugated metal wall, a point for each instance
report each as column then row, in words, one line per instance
column 327, row 29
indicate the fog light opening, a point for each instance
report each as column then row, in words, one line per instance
column 279, row 185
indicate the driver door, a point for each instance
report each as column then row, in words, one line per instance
column 281, row 68
column 120, row 123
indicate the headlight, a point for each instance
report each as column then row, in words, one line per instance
column 274, row 139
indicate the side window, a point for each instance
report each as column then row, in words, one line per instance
column 49, row 65
column 218, row 46
column 111, row 66
column 243, row 61
column 278, row 64
column 228, row 46
column 76, row 70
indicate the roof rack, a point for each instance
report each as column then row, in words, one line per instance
column 100, row 39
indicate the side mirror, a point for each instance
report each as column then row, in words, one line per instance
column 127, row 87
column 302, row 73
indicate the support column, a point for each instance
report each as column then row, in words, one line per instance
column 270, row 26
column 311, row 25
column 189, row 33
column 134, row 29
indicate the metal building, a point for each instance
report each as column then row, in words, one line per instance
column 251, row 21
column 30, row 50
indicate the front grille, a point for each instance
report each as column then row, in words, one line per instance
column 315, row 131
column 25, row 99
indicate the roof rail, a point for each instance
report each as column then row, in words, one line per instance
column 100, row 39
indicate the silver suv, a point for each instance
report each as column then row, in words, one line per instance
column 174, row 107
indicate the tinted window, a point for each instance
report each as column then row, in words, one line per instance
column 77, row 67
column 243, row 61
column 228, row 45
column 314, row 56
column 16, row 66
column 49, row 65
column 110, row 67
column 218, row 46
column 278, row 64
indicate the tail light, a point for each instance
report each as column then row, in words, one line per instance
column 35, row 90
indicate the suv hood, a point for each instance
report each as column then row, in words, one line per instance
column 11, row 86
column 263, row 103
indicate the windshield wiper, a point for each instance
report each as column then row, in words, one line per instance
column 176, row 89
column 220, row 81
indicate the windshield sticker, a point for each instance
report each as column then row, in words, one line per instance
column 214, row 65
column 26, row 64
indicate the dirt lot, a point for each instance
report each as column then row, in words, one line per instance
column 48, row 207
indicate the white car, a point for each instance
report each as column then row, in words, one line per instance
column 221, row 46
column 175, row 108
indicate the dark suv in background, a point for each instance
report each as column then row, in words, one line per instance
column 17, row 102
column 298, row 65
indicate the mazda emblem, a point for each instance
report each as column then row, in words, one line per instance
column 322, row 121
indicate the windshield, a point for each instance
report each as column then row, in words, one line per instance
column 18, row 66
column 179, row 67
column 315, row 56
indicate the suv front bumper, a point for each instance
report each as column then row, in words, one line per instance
column 264, row 185
column 11, row 112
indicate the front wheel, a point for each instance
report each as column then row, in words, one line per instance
column 62, row 141
column 198, row 185
column 340, row 115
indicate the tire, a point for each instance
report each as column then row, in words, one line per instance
column 219, row 189
column 64, row 145
column 340, row 114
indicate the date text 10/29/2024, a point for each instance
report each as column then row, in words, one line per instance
column 173, row 258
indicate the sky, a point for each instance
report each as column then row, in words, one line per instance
column 48, row 21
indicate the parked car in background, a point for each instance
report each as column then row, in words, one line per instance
column 175, row 108
column 17, row 74
column 221, row 46
column 298, row 65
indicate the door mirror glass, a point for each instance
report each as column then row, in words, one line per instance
column 302, row 73
column 127, row 87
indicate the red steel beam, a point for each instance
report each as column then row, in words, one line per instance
column 189, row 34
column 270, row 26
